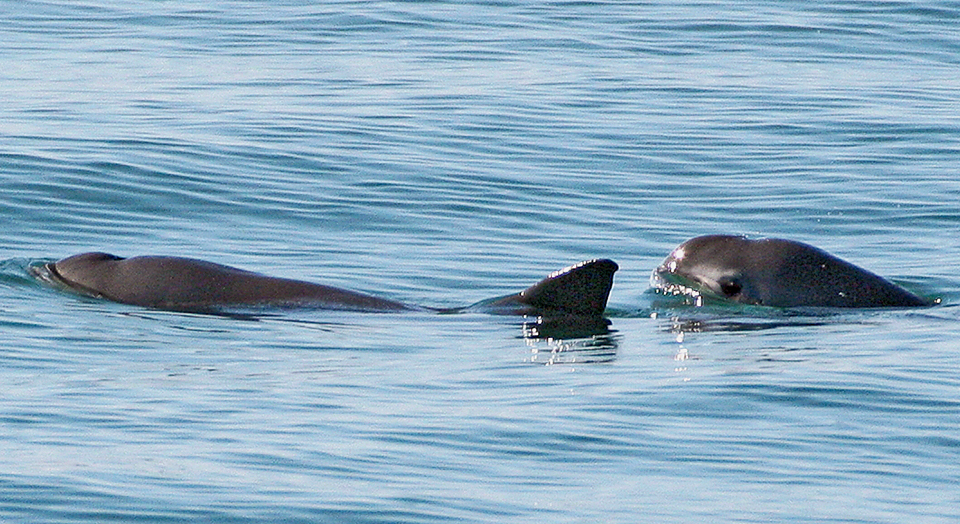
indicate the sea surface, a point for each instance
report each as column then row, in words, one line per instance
column 440, row 153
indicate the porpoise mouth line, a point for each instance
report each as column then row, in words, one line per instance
column 667, row 283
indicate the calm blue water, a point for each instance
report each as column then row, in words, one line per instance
column 441, row 153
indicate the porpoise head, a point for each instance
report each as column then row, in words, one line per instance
column 86, row 272
column 715, row 264
column 775, row 272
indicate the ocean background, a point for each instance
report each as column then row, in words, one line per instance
column 440, row 153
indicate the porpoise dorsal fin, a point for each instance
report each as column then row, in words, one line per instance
column 580, row 290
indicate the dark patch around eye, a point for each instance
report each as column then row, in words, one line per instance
column 730, row 287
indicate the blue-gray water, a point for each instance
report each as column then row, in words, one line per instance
column 441, row 153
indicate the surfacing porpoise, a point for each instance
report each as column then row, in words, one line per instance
column 777, row 272
column 186, row 284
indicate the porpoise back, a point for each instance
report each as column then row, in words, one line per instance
column 187, row 284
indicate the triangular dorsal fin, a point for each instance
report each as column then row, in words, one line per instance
column 580, row 290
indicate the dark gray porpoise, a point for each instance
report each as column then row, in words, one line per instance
column 185, row 284
column 779, row 273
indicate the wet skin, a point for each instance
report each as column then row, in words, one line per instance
column 186, row 284
column 778, row 273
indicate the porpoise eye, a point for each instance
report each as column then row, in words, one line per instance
column 730, row 287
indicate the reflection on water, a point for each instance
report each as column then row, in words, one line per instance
column 685, row 313
column 565, row 327
column 583, row 341
column 701, row 325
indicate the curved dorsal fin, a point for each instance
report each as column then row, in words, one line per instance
column 580, row 290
